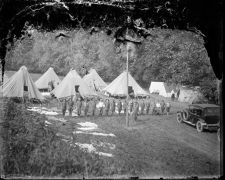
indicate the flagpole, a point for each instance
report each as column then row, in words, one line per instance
column 127, row 118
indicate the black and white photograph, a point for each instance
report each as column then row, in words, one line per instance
column 111, row 89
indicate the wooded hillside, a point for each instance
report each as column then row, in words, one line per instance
column 170, row 55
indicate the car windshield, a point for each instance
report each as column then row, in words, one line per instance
column 212, row 111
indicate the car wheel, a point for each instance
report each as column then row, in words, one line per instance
column 218, row 134
column 199, row 126
column 179, row 118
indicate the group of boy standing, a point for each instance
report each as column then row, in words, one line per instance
column 110, row 106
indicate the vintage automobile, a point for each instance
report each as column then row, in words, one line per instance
column 202, row 116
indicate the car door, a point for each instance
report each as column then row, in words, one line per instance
column 197, row 115
column 191, row 113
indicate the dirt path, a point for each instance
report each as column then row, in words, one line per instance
column 205, row 142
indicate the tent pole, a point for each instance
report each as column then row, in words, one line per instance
column 127, row 118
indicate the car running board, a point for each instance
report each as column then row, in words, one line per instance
column 189, row 122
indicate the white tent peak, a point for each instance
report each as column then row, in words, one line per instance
column 15, row 85
column 119, row 86
column 48, row 76
column 94, row 81
column 23, row 68
column 67, row 87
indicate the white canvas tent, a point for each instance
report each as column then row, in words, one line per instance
column 94, row 81
column 67, row 87
column 20, row 82
column 48, row 76
column 161, row 88
column 119, row 86
column 190, row 95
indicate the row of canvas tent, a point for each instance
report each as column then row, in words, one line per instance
column 92, row 82
column 88, row 86
column 21, row 82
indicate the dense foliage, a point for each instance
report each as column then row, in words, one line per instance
column 29, row 148
column 172, row 56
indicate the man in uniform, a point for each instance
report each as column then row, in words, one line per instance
column 124, row 106
column 147, row 105
column 163, row 106
column 135, row 111
column 93, row 107
column 131, row 105
column 86, row 107
column 112, row 107
column 119, row 106
column 106, row 107
column 153, row 107
column 79, row 105
column 64, row 105
column 101, row 106
column 71, row 103
column 142, row 106
column 168, row 108
column 158, row 108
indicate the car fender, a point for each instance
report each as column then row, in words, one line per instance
column 185, row 111
column 180, row 112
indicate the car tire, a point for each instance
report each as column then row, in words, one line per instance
column 199, row 126
column 179, row 118
column 185, row 115
column 218, row 134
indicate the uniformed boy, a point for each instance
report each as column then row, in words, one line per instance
column 153, row 107
column 119, row 106
column 135, row 111
column 142, row 106
column 147, row 105
column 64, row 105
column 158, row 108
column 71, row 103
column 124, row 106
column 106, row 107
column 86, row 107
column 112, row 107
column 168, row 108
column 131, row 105
column 79, row 105
column 163, row 106
column 101, row 107
column 93, row 107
